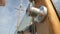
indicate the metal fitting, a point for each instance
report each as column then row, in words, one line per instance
column 37, row 13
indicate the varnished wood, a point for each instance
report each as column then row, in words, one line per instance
column 52, row 23
column 53, row 17
column 2, row 2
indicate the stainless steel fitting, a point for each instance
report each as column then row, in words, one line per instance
column 37, row 13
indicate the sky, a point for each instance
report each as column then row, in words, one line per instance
column 57, row 5
column 8, row 15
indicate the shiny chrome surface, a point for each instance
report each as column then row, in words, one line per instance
column 25, row 23
column 37, row 13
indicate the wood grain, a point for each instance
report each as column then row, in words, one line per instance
column 52, row 23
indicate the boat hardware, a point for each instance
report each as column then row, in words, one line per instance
column 37, row 13
column 32, row 15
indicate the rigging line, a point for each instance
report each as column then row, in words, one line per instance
column 18, row 12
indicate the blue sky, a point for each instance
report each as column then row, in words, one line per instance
column 8, row 16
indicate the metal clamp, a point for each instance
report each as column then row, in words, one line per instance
column 37, row 13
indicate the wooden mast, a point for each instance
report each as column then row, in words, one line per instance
column 51, row 25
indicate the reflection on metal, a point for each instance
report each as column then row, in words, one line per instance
column 25, row 23
column 37, row 13
column 19, row 32
column 33, row 29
